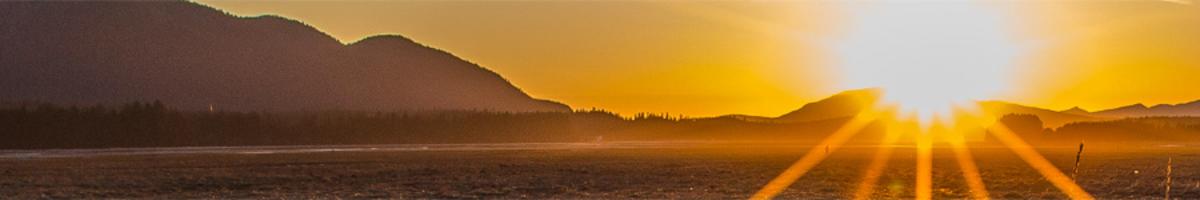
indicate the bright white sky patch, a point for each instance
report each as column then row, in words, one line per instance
column 927, row 56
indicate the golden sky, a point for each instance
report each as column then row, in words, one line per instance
column 1101, row 54
column 762, row 57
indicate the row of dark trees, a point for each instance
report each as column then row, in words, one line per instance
column 1174, row 130
column 153, row 124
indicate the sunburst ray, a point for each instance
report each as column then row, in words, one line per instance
column 817, row 154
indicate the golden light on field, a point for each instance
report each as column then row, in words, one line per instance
column 817, row 153
column 879, row 161
column 925, row 137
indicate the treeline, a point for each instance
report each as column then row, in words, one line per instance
column 1156, row 130
column 153, row 124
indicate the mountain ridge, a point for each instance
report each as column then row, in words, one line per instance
column 193, row 56
column 1191, row 108
column 850, row 102
column 843, row 104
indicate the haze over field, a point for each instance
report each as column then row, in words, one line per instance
column 600, row 99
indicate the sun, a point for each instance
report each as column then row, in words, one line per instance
column 927, row 56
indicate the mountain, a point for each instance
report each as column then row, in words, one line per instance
column 1161, row 110
column 192, row 56
column 1076, row 111
column 844, row 104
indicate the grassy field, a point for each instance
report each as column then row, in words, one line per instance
column 642, row 171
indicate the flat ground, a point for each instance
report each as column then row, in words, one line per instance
column 678, row 171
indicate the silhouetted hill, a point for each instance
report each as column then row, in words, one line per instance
column 1076, row 111
column 1161, row 110
column 1124, row 110
column 192, row 56
column 841, row 105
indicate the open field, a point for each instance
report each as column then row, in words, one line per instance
column 628, row 170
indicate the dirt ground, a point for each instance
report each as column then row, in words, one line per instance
column 645, row 172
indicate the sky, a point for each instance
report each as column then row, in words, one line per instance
column 708, row 58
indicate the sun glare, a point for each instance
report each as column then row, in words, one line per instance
column 927, row 56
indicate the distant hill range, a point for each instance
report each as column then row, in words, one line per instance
column 1076, row 114
column 850, row 102
column 192, row 56
column 1161, row 110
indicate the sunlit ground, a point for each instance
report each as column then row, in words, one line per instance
column 655, row 171
column 925, row 135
